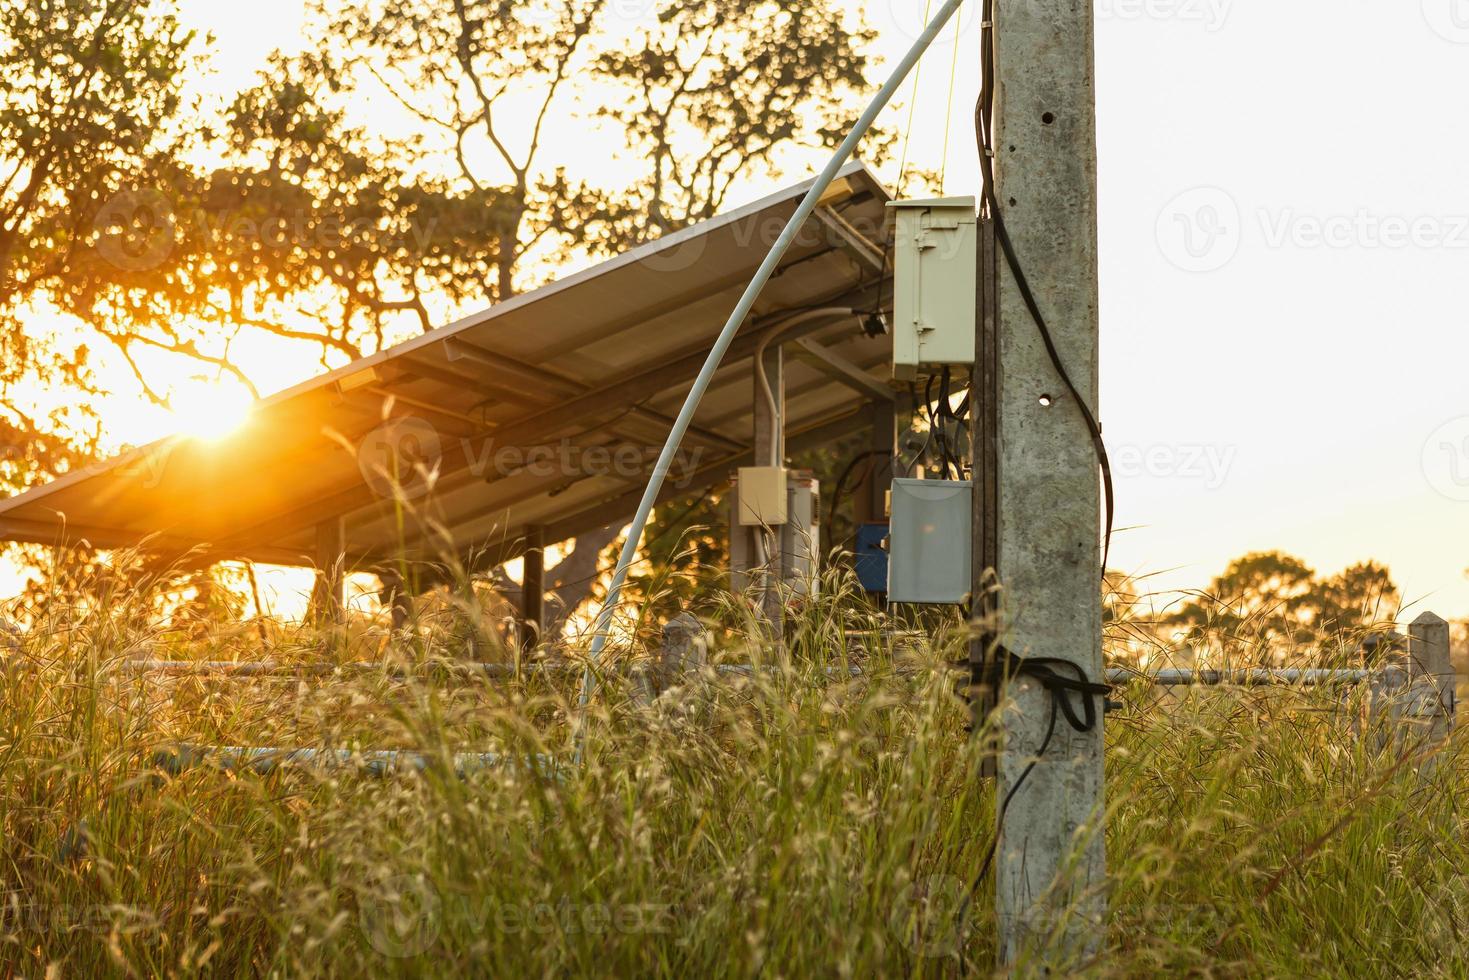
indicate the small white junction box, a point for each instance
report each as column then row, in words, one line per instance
column 762, row 499
column 935, row 248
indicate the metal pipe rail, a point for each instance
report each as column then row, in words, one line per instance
column 272, row 668
column 269, row 668
column 1251, row 677
column 1168, row 677
column 371, row 762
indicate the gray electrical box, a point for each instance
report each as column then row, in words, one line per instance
column 929, row 541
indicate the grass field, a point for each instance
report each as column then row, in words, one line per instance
column 782, row 825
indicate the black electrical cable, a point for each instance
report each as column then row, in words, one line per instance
column 919, row 411
column 946, row 415
column 836, row 494
column 983, row 122
column 1000, row 667
column 935, row 427
column 936, row 421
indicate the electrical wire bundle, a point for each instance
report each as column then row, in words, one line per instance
column 942, row 422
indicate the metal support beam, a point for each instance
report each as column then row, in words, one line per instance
column 550, row 388
column 620, row 507
column 870, row 254
column 1049, row 867
column 328, row 597
column 179, row 548
column 869, row 496
column 395, row 596
column 676, row 370
column 984, row 444
column 533, row 587
column 836, row 366
column 455, row 467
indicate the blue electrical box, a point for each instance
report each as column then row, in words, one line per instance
column 872, row 557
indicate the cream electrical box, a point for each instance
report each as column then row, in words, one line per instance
column 935, row 262
column 799, row 538
column 762, row 499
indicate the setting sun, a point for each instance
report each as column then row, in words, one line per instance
column 209, row 410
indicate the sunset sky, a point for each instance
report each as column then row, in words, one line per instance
column 1285, row 255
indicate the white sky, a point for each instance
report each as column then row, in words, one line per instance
column 1285, row 257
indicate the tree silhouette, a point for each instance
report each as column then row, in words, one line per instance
column 1270, row 596
column 92, row 106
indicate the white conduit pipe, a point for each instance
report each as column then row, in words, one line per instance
column 770, row 334
column 726, row 337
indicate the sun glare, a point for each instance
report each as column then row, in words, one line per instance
column 209, row 411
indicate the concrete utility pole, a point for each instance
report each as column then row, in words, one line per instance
column 1049, row 867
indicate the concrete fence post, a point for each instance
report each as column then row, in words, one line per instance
column 685, row 649
column 1429, row 705
column 1412, row 697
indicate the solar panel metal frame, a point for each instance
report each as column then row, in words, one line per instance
column 600, row 358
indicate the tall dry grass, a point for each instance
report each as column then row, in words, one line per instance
column 782, row 824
